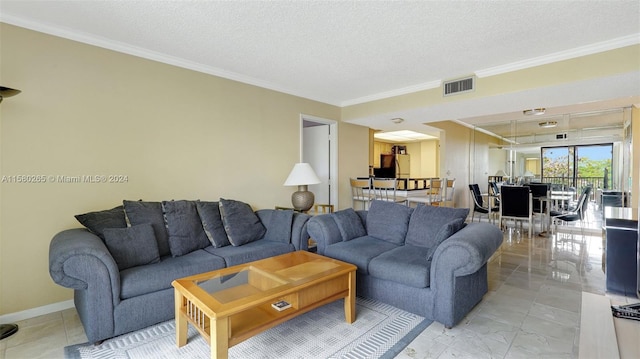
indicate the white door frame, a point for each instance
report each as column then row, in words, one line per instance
column 333, row 149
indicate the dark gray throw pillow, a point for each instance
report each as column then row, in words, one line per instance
column 141, row 212
column 426, row 221
column 388, row 221
column 445, row 232
column 132, row 246
column 349, row 224
column 279, row 228
column 212, row 223
column 96, row 222
column 184, row 227
column 240, row 222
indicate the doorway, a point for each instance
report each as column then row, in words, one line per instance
column 319, row 149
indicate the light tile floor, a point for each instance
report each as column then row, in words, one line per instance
column 532, row 308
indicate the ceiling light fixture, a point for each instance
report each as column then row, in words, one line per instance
column 397, row 120
column 403, row 136
column 534, row 111
column 548, row 124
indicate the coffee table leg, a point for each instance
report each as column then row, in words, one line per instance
column 181, row 321
column 219, row 338
column 350, row 300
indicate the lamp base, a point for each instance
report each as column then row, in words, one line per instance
column 302, row 199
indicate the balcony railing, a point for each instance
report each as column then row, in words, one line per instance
column 579, row 184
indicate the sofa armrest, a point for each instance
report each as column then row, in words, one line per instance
column 78, row 259
column 466, row 250
column 324, row 230
column 458, row 270
column 299, row 234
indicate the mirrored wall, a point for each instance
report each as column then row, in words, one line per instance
column 572, row 150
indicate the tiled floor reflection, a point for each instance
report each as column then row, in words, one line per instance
column 532, row 309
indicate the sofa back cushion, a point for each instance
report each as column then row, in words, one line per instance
column 141, row 212
column 184, row 227
column 427, row 221
column 388, row 221
column 209, row 213
column 240, row 222
column 132, row 246
column 279, row 226
column 98, row 221
column 349, row 224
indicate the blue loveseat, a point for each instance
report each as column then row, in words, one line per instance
column 424, row 260
column 122, row 264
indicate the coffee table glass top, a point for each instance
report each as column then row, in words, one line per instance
column 259, row 277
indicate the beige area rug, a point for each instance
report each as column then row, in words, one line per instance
column 380, row 331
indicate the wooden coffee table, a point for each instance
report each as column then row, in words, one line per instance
column 233, row 304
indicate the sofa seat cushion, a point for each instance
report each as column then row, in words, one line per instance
column 251, row 251
column 154, row 277
column 406, row 265
column 359, row 251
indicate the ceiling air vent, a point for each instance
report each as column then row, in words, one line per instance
column 459, row 86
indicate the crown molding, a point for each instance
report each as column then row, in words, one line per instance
column 620, row 42
column 154, row 56
column 401, row 91
column 591, row 49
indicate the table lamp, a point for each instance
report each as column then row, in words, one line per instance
column 302, row 175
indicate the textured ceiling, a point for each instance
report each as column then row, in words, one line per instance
column 338, row 52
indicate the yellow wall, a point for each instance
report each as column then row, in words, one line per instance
column 175, row 134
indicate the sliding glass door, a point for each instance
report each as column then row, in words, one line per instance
column 578, row 166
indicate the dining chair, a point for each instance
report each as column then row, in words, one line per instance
column 385, row 189
column 478, row 204
column 361, row 192
column 540, row 194
column 449, row 190
column 494, row 192
column 577, row 213
column 516, row 203
column 436, row 189
column 323, row 208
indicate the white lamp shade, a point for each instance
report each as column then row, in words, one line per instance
column 302, row 174
column 501, row 173
column 528, row 174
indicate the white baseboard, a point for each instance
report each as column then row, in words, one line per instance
column 35, row 312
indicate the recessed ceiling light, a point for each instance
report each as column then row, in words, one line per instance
column 548, row 124
column 534, row 111
column 397, row 120
column 403, row 136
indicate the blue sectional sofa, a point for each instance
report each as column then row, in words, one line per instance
column 424, row 260
column 122, row 264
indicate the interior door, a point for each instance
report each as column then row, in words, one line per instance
column 316, row 151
